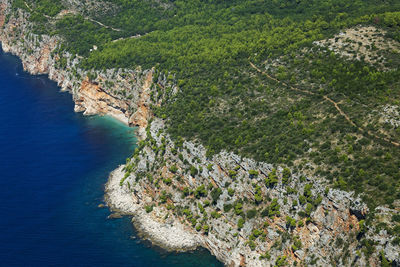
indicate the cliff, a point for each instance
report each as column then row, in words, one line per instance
column 120, row 93
column 155, row 180
column 246, row 213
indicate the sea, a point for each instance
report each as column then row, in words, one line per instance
column 54, row 164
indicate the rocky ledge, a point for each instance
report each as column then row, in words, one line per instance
column 245, row 212
column 121, row 93
column 168, row 234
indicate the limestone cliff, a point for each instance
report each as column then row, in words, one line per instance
column 122, row 94
column 245, row 212
column 176, row 184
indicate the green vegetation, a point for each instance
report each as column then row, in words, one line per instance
column 210, row 54
column 200, row 191
column 41, row 11
column 149, row 208
column 241, row 222
column 215, row 194
column 173, row 169
column 251, row 81
column 226, row 104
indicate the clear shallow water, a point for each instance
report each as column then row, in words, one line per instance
column 53, row 167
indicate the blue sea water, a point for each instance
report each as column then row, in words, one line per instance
column 53, row 167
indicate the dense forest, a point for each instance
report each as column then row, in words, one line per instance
column 252, row 80
column 225, row 103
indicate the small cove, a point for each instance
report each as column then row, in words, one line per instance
column 53, row 167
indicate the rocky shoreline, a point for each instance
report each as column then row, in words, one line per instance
column 170, row 189
column 92, row 99
column 120, row 93
column 171, row 236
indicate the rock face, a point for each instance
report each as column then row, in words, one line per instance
column 3, row 7
column 161, row 232
column 246, row 213
column 92, row 99
column 176, row 185
column 120, row 93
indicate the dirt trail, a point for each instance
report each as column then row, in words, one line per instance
column 87, row 18
column 335, row 104
column 105, row 26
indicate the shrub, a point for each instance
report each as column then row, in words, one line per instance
column 290, row 222
column 296, row 243
column 163, row 197
column 272, row 179
column 302, row 199
column 286, row 175
column 193, row 171
column 266, row 255
column 167, row 181
column 200, row 191
column 148, row 208
column 307, row 190
column 185, row 192
column 309, row 208
column 215, row 194
column 227, row 207
column 201, row 208
column 253, row 173
column 232, row 174
column 258, row 198
column 215, row 214
column 361, row 225
column 251, row 244
column 173, row 169
column 231, row 192
column 396, row 218
column 241, row 222
column 206, row 228
column 280, row 261
column 256, row 232
column 239, row 208
column 251, row 213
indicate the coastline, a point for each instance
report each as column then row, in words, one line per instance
column 160, row 226
column 85, row 93
column 171, row 236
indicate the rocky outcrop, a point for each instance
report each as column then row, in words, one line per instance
column 160, row 232
column 120, row 93
column 245, row 212
column 91, row 99
column 309, row 225
column 140, row 117
column 3, row 6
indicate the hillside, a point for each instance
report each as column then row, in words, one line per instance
column 282, row 115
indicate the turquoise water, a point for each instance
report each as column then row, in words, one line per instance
column 53, row 167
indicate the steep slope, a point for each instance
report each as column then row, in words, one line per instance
column 218, row 100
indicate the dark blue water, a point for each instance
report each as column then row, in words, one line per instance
column 53, row 167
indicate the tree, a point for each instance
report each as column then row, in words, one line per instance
column 193, row 171
column 309, row 208
column 238, row 208
column 215, row 194
column 253, row 173
column 286, row 175
column 173, row 169
column 240, row 223
column 231, row 192
column 251, row 213
column 200, row 191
